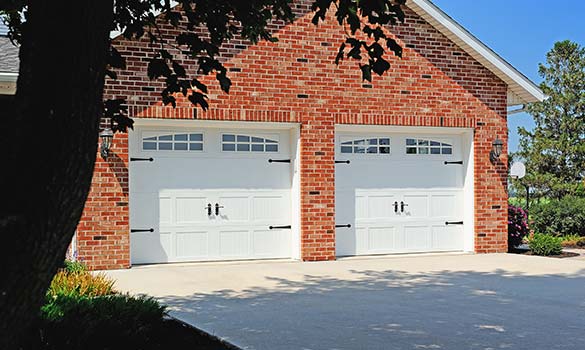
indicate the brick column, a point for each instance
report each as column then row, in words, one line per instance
column 317, row 187
column 491, row 194
column 103, row 240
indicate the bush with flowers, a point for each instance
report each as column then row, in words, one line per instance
column 517, row 226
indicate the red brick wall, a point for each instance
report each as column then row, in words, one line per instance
column 296, row 80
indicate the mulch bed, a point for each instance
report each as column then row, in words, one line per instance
column 560, row 256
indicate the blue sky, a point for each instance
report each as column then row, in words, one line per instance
column 522, row 32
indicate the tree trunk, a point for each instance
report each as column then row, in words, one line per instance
column 49, row 145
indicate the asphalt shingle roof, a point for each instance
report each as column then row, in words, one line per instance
column 8, row 56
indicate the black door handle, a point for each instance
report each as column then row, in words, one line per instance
column 141, row 230
column 396, row 207
column 402, row 205
column 208, row 207
column 453, row 223
column 217, row 207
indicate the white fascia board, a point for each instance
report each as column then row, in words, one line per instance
column 518, row 83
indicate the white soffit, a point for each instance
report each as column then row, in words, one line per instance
column 521, row 90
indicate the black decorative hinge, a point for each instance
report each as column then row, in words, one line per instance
column 346, row 226
column 278, row 160
column 279, row 227
column 460, row 162
column 132, row 159
column 142, row 230
column 342, row 162
column 453, row 223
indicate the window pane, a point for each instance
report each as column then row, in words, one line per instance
column 435, row 143
column 257, row 139
column 165, row 146
column 359, row 149
column 228, row 138
column 149, row 145
column 446, row 145
column 410, row 142
column 166, row 138
column 271, row 148
column 243, row 147
column 150, row 138
column 229, row 147
column 385, row 150
column 372, row 141
column 384, row 141
column 196, row 137
column 423, row 150
column 447, row 150
column 242, row 138
column 181, row 146
column 359, row 142
column 435, row 150
column 372, row 150
column 270, row 141
column 423, row 142
column 181, row 137
column 347, row 143
column 346, row 149
column 195, row 147
column 411, row 150
column 257, row 148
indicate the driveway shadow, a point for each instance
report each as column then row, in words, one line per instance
column 397, row 310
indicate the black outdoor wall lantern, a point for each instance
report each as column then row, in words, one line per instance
column 497, row 147
column 106, row 135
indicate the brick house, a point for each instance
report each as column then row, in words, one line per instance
column 304, row 160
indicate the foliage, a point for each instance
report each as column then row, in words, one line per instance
column 517, row 226
column 559, row 217
column 545, row 245
column 571, row 240
column 554, row 152
column 79, row 283
column 580, row 242
column 74, row 266
column 206, row 25
column 106, row 322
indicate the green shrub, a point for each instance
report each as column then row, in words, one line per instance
column 82, row 284
column 559, row 217
column 570, row 240
column 106, row 322
column 74, row 266
column 545, row 245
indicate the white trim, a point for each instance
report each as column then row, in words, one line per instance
column 8, row 83
column 524, row 89
column 467, row 151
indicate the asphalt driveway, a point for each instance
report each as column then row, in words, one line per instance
column 410, row 302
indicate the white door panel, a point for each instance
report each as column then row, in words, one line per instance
column 171, row 195
column 398, row 202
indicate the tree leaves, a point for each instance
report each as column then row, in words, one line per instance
column 554, row 151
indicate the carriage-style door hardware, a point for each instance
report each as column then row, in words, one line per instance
column 453, row 223
column 346, row 226
column 402, row 205
column 459, row 162
column 132, row 159
column 141, row 230
column 342, row 162
column 217, row 207
column 208, row 208
column 278, row 160
column 395, row 207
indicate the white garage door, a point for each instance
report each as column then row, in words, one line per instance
column 399, row 193
column 209, row 194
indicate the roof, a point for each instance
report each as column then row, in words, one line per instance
column 521, row 90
